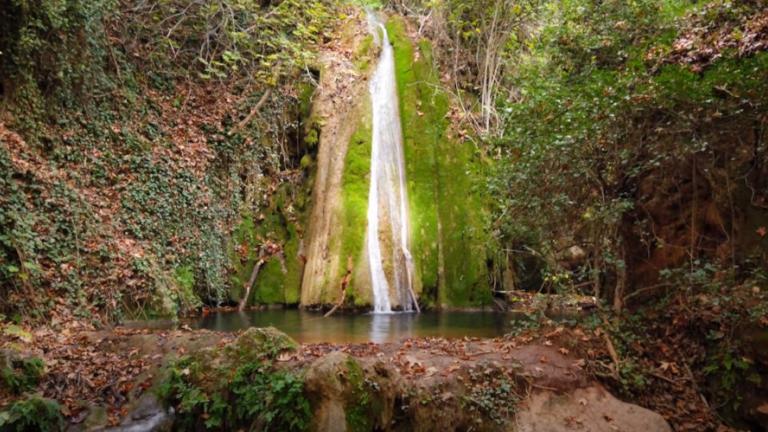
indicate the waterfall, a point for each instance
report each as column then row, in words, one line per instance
column 388, row 229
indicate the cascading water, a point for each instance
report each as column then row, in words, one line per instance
column 388, row 197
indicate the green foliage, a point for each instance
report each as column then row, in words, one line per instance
column 593, row 118
column 32, row 414
column 276, row 399
column 267, row 41
column 525, row 323
column 729, row 369
column 166, row 205
column 494, row 397
column 240, row 388
column 706, row 324
column 42, row 227
column 97, row 205
column 255, row 395
column 22, row 374
column 53, row 56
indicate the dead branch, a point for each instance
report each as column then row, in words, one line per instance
column 344, row 283
column 612, row 352
column 250, row 283
column 251, row 114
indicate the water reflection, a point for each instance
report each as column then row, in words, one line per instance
column 386, row 326
column 311, row 327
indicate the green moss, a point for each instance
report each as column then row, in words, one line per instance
column 279, row 279
column 242, row 256
column 363, row 56
column 359, row 403
column 355, row 185
column 306, row 91
column 376, row 4
column 256, row 343
column 185, row 278
column 306, row 161
column 442, row 177
column 185, row 287
column 293, row 267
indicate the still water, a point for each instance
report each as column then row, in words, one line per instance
column 309, row 327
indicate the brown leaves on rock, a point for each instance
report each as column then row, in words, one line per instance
column 82, row 369
column 86, row 368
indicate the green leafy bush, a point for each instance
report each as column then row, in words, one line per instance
column 21, row 374
column 274, row 398
column 238, row 386
column 32, row 414
column 599, row 123
column 255, row 394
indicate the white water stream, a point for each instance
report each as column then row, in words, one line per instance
column 388, row 227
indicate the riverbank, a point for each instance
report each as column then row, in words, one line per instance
column 542, row 377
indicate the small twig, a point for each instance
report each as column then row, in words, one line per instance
column 479, row 353
column 694, row 384
column 662, row 377
column 539, row 386
column 645, row 289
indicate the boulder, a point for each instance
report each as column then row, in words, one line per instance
column 147, row 415
column 590, row 409
column 349, row 394
column 255, row 342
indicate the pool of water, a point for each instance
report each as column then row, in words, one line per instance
column 310, row 327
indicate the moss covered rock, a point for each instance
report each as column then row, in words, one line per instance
column 348, row 394
column 448, row 236
column 255, row 343
column 446, row 207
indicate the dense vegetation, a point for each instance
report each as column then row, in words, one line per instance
column 130, row 149
column 153, row 153
column 628, row 149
